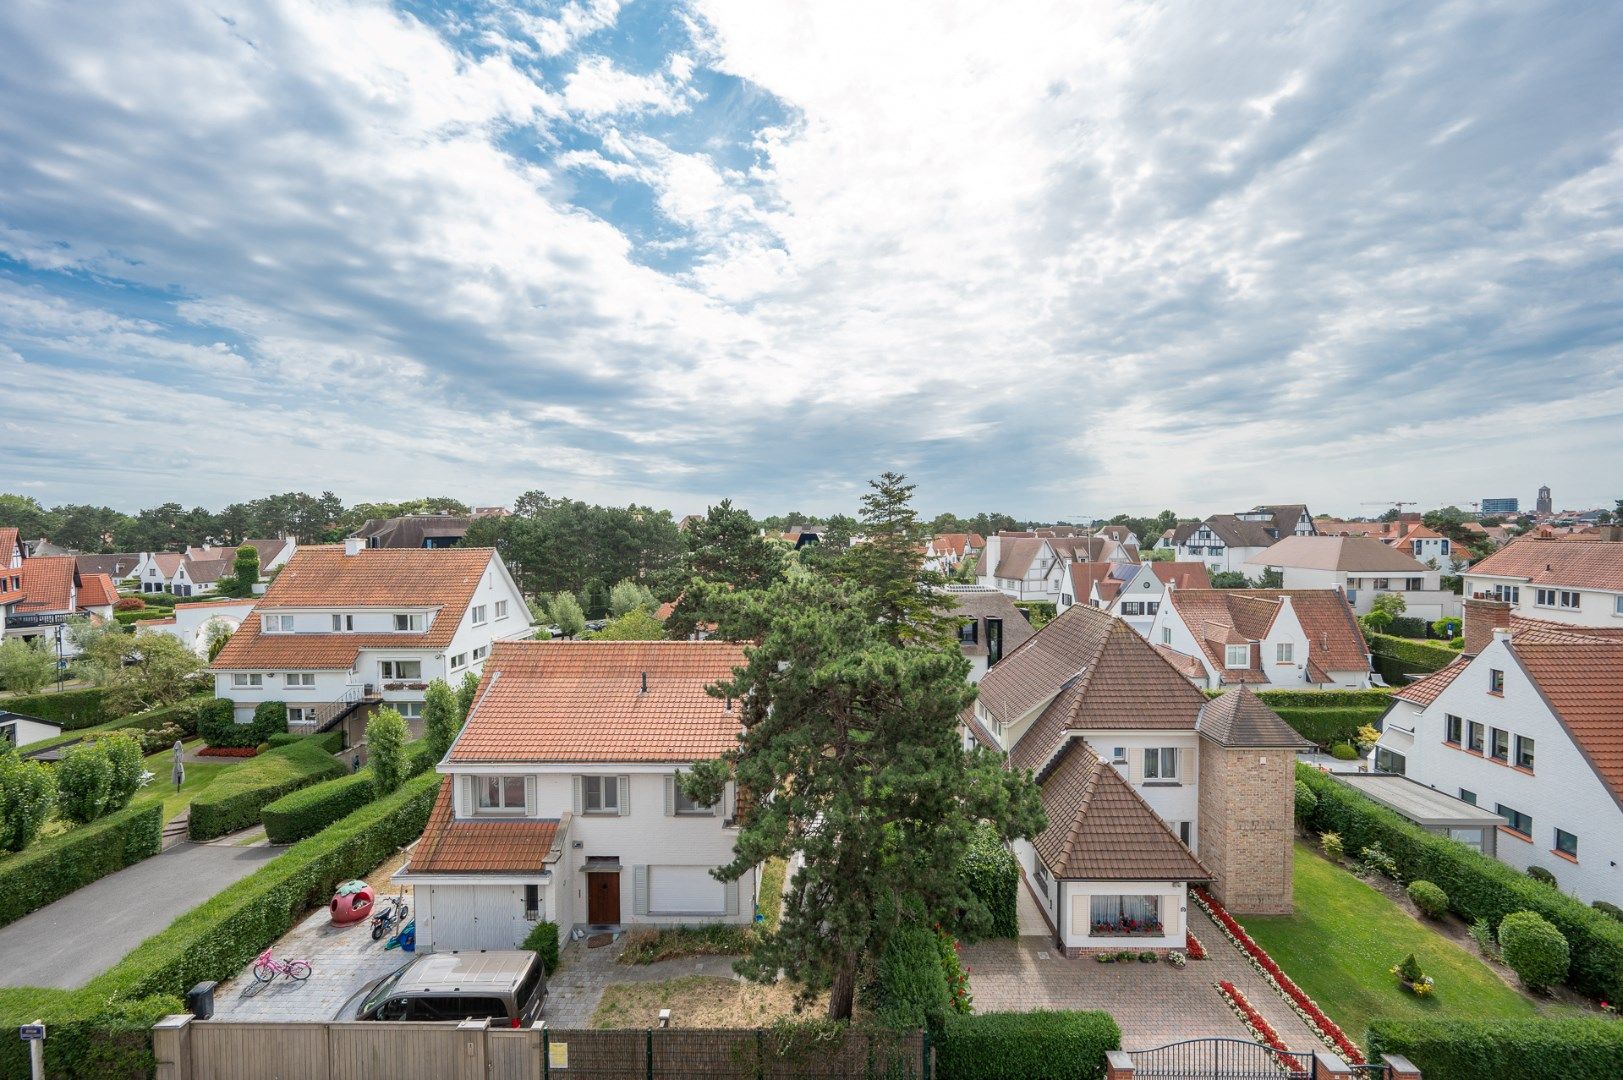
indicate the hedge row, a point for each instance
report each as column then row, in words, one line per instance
column 309, row 810
column 989, row 870
column 89, row 1038
column 1413, row 655
column 126, row 618
column 57, row 865
column 1027, row 1045
column 181, row 713
column 1544, row 1049
column 234, row 799
column 1321, row 699
column 1478, row 887
column 1327, row 727
column 218, row 938
column 71, row 709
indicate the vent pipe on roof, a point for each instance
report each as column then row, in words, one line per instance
column 729, row 706
column 352, row 545
column 644, row 682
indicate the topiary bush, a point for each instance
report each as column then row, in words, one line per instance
column 217, row 723
column 1021, row 1045
column 1344, row 752
column 386, row 735
column 1542, row 876
column 989, row 871
column 1432, row 901
column 1535, row 950
column 89, row 1038
column 543, row 941
column 910, row 987
column 70, row 710
column 1541, row 1049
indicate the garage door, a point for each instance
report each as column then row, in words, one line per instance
column 685, row 890
column 477, row 916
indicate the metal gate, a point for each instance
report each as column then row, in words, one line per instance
column 1221, row 1059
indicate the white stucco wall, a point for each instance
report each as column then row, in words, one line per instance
column 1595, row 607
column 1076, row 900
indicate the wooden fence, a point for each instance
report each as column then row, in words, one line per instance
column 188, row 1049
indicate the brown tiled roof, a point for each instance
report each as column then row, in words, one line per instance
column 1084, row 576
column 1570, row 563
column 1352, row 554
column 1118, row 533
column 1240, row 718
column 117, row 565
column 1219, row 617
column 207, row 571
column 409, row 531
column 96, row 590
column 449, row 846
column 953, row 543
column 978, row 729
column 555, row 701
column 1015, row 555
column 1189, row 667
column 1183, row 575
column 1424, row 691
column 168, row 562
column 983, row 603
column 47, row 584
column 1544, row 630
column 1100, row 830
column 1233, row 531
column 1583, row 683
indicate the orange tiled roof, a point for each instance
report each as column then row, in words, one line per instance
column 48, row 583
column 1569, row 563
column 556, row 701
column 1182, row 575
column 1583, row 682
column 449, row 846
column 96, row 590
column 1424, row 691
column 1189, row 667
column 1219, row 617
column 9, row 542
column 1544, row 630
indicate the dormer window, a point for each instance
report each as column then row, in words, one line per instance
column 343, row 624
column 407, row 623
column 1237, row 656
column 500, row 794
column 276, row 624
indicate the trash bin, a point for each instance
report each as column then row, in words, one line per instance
column 200, row 1000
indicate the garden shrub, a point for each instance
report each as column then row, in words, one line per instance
column 386, row 736
column 1327, row 726
column 1541, row 1049
column 1482, row 934
column 952, row 969
column 1406, row 626
column 217, row 723
column 282, row 738
column 543, row 941
column 1608, row 908
column 910, row 986
column 308, row 810
column 1305, row 801
column 990, row 872
column 1374, row 697
column 1478, row 887
column 1053, row 1045
column 84, row 783
column 1330, row 844
column 234, row 799
column 1432, row 901
column 27, row 797
column 270, row 718
column 70, row 710
column 88, row 1038
column 1534, row 949
column 1542, row 876
column 1344, row 752
column 1410, row 655
column 57, row 865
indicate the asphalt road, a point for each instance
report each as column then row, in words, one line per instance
column 70, row 942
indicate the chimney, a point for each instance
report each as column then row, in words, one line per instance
column 353, row 545
column 644, row 682
column 1482, row 618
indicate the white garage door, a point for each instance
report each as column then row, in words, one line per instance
column 685, row 890
column 477, row 916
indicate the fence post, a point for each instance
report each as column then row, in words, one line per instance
column 650, row 1054
column 760, row 1054
column 1399, row 1067
column 1118, row 1066
column 546, row 1051
column 172, row 1047
column 471, row 1037
column 1326, row 1066
column 929, row 1053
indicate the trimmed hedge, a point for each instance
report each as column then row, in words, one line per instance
column 309, row 810
column 217, row 723
column 127, row 618
column 234, row 799
column 910, row 984
column 182, row 713
column 1026, row 1045
column 218, row 938
column 71, row 709
column 89, row 1038
column 51, row 868
column 1477, row 887
column 989, row 870
column 1329, row 726
column 1413, row 655
column 1542, row 1049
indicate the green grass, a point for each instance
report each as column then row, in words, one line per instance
column 1343, row 940
column 770, row 903
column 646, row 945
column 198, row 777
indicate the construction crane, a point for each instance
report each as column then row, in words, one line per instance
column 1398, row 504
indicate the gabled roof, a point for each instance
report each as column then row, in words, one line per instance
column 47, row 584
column 482, row 846
column 978, row 602
column 1015, row 555
column 167, row 562
column 96, row 590
column 1221, row 617
column 410, row 530
column 1233, row 531
column 1182, row 575
column 10, row 541
column 1100, row 830
column 1239, row 718
column 1583, row 684
column 1085, row 575
column 1523, row 628
column 1424, row 691
column 1118, row 533
column 584, row 701
column 1189, row 667
column 1569, row 563
column 1352, row 554
column 206, row 571
column 118, row 565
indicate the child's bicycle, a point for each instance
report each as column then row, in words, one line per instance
column 267, row 967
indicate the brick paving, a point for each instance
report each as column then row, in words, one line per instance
column 342, row 959
column 1154, row 1004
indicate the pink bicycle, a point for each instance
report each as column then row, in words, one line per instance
column 267, row 967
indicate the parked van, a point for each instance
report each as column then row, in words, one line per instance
column 505, row 986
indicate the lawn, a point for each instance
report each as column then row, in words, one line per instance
column 700, row 1001
column 646, row 945
column 1345, row 937
column 198, row 776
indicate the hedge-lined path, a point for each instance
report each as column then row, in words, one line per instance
column 67, row 943
column 1154, row 1004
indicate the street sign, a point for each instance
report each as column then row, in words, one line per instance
column 32, row 1032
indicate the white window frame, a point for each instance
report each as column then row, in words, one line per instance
column 408, row 622
column 1158, row 755
column 390, row 669
column 1285, row 652
column 1544, row 598
column 343, row 624
column 502, row 804
column 1244, row 654
column 1566, row 595
column 480, row 652
column 459, row 661
column 604, row 784
column 682, row 806
column 410, row 710
column 1617, row 605
column 276, row 624
column 479, row 614
column 1166, row 635
column 299, row 714
column 294, row 680
column 501, row 609
column 247, row 679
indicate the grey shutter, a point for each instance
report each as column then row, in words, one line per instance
column 529, row 796
column 670, row 796
column 639, row 890
column 625, row 796
column 729, row 801
column 580, row 797
column 732, row 897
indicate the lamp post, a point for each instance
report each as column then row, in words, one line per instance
column 59, row 658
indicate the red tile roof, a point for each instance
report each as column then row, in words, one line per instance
column 48, row 584
column 9, row 543
column 96, row 590
column 1220, row 617
column 468, row 846
column 1424, row 691
column 1569, row 563
column 565, row 701
column 1182, row 575
column 1583, row 683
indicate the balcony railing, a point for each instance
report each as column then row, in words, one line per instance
column 325, row 714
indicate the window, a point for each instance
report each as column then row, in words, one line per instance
column 1414, row 584
column 1151, row 606
column 300, row 714
column 1383, row 583
column 1524, row 751
column 1237, row 656
column 687, row 807
column 400, row 669
column 1453, row 728
column 1467, row 796
column 343, row 624
column 276, row 624
column 1566, row 843
column 1518, row 821
column 601, row 794
column 1118, row 755
column 1161, row 763
column 1474, row 731
column 1285, row 652
column 299, row 678
column 1124, row 916
column 408, row 624
column 1499, row 743
column 501, row 609
column 1184, row 832
column 459, row 661
column 479, row 614
column 1041, row 877
column 1132, row 607
column 500, row 794
column 240, row 679
column 994, row 641
column 1569, row 599
column 1388, row 762
column 1617, row 605
column 1544, row 597
column 409, row 710
column 1496, row 681
column 1166, row 635
column 532, row 903
column 969, row 633
column 480, row 653
column 1511, row 594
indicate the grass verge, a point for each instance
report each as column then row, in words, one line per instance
column 646, row 945
column 700, row 1001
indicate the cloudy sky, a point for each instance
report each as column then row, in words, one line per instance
column 1056, row 260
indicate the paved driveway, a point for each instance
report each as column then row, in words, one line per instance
column 342, row 959
column 70, row 942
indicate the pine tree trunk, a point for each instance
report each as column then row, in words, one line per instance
column 843, row 993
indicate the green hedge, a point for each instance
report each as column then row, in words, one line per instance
column 1478, row 887
column 183, row 713
column 309, row 810
column 1543, row 1049
column 57, row 865
column 234, row 799
column 1412, row 655
column 1329, row 726
column 88, row 1038
column 218, row 938
column 71, row 709
column 910, row 987
column 1374, row 697
column 1039, row 1045
column 989, row 871
column 127, row 618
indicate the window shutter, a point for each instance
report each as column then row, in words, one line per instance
column 729, row 801
column 639, row 890
column 732, row 897
column 529, row 796
column 670, row 796
column 625, row 796
column 580, row 798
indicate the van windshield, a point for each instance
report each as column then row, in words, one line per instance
column 381, row 992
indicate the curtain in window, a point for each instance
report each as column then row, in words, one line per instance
column 1131, row 911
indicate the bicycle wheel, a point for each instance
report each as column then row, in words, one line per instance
column 298, row 970
column 264, row 972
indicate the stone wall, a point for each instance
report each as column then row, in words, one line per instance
column 1247, row 811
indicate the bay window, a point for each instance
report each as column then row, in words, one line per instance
column 1124, row 916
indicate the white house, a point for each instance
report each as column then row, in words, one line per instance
column 194, row 623
column 1365, row 568
column 343, row 624
column 1528, row 728
column 1304, row 639
column 560, row 799
column 1224, row 542
column 1132, row 592
column 1573, row 581
column 944, row 552
column 43, row 594
column 197, row 577
column 157, row 569
column 1030, row 566
column 18, row 729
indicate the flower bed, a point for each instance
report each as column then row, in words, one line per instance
column 1194, row 948
column 1308, row 1009
column 1128, row 928
column 228, row 751
column 1260, row 1028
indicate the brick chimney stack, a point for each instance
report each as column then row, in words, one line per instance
column 1482, row 618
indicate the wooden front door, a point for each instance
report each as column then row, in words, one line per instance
column 603, row 897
